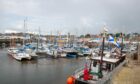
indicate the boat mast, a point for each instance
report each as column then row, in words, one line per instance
column 23, row 34
column 102, row 53
column 121, row 43
column 13, row 40
column 40, row 39
column 69, row 44
column 60, row 39
column 101, row 61
column 25, row 27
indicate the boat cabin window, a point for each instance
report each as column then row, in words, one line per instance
column 94, row 63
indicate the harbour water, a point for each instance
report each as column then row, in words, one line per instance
column 40, row 71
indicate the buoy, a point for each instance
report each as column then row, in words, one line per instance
column 70, row 80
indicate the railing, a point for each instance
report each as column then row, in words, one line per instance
column 78, row 70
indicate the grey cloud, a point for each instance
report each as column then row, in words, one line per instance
column 82, row 16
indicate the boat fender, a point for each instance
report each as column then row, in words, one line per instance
column 70, row 80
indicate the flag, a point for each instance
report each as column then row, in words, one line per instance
column 115, row 39
column 112, row 40
column 105, row 29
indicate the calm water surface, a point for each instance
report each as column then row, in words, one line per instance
column 40, row 71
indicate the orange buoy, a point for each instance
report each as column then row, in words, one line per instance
column 70, row 80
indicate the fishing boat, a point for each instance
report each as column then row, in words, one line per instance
column 92, row 74
column 97, row 71
column 100, row 67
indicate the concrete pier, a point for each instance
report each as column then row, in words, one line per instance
column 130, row 74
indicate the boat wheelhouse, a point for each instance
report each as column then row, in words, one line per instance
column 109, row 65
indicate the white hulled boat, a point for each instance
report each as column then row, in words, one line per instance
column 20, row 55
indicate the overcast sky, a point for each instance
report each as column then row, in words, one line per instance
column 74, row 16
